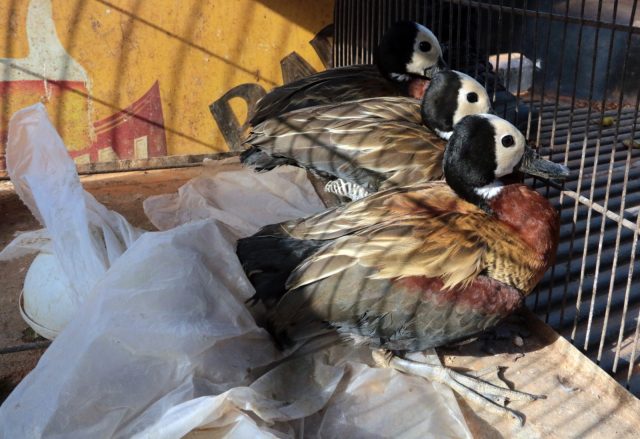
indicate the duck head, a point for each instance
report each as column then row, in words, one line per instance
column 451, row 96
column 407, row 50
column 482, row 149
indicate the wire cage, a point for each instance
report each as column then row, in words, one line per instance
column 573, row 71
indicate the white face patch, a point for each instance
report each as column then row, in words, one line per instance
column 470, row 89
column 421, row 60
column 507, row 157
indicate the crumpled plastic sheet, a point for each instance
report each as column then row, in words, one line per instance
column 88, row 236
column 163, row 345
column 231, row 194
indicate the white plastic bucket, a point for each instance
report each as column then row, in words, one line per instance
column 46, row 300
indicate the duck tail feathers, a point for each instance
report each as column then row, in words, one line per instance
column 269, row 258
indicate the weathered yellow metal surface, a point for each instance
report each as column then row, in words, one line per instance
column 133, row 79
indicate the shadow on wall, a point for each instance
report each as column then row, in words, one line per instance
column 128, row 80
column 293, row 67
column 296, row 11
column 49, row 74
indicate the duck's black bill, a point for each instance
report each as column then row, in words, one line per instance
column 533, row 164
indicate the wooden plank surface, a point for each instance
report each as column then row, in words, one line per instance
column 582, row 400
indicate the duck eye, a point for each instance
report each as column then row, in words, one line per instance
column 508, row 141
column 472, row 97
column 425, row 46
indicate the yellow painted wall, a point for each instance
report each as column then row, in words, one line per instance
column 196, row 50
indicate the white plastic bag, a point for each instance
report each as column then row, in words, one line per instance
column 164, row 343
column 86, row 237
column 230, row 193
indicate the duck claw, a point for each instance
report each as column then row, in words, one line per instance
column 476, row 389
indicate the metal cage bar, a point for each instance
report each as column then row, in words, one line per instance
column 585, row 72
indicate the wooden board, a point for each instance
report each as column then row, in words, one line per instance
column 582, row 400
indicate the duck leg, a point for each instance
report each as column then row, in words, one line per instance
column 346, row 189
column 476, row 389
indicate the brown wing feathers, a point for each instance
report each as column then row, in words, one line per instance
column 377, row 143
column 334, row 85
column 428, row 232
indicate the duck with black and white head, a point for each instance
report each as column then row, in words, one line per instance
column 408, row 50
column 406, row 59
